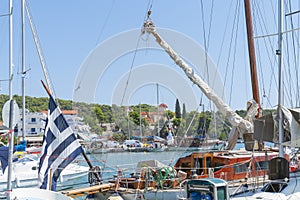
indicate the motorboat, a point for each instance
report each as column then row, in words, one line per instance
column 25, row 173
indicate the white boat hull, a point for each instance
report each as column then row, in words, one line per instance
column 25, row 174
column 36, row 194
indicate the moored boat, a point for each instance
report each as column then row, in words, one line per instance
column 228, row 165
column 37, row 194
column 25, row 173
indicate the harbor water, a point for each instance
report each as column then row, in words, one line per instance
column 125, row 162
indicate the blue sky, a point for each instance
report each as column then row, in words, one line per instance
column 71, row 31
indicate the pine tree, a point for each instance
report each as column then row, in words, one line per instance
column 177, row 110
column 183, row 111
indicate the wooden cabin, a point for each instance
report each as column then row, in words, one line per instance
column 227, row 165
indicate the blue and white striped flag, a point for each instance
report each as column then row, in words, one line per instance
column 60, row 147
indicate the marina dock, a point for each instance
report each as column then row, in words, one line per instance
column 89, row 190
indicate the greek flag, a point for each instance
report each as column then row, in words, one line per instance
column 59, row 149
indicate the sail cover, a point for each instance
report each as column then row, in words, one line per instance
column 266, row 127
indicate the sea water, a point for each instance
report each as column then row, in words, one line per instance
column 126, row 162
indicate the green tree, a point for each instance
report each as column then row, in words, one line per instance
column 192, row 122
column 177, row 109
column 203, row 124
column 99, row 114
column 135, row 117
column 183, row 111
column 169, row 114
column 176, row 123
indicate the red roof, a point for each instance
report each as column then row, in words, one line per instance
column 65, row 112
column 163, row 105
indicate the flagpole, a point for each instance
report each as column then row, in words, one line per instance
column 83, row 152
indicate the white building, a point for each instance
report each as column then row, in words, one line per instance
column 34, row 123
column 77, row 124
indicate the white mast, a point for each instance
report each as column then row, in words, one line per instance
column 280, row 76
column 141, row 129
column 11, row 114
column 158, row 115
column 23, row 70
column 42, row 61
column 10, row 50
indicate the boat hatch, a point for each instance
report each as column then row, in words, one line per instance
column 208, row 188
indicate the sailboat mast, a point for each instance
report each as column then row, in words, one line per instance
column 280, row 76
column 42, row 61
column 11, row 114
column 157, row 100
column 251, row 50
column 141, row 130
column 252, row 60
column 10, row 50
column 23, row 70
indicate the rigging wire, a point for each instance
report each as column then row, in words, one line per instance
column 291, row 85
column 295, row 59
column 230, row 49
column 206, row 40
column 97, row 41
column 234, row 50
column 288, row 82
column 130, row 70
column 147, row 16
column 105, row 22
column 222, row 44
column 267, row 43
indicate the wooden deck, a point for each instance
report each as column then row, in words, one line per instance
column 89, row 190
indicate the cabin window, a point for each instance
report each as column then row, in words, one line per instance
column 221, row 193
column 198, row 165
column 218, row 166
column 261, row 165
column 208, row 162
column 33, row 120
column 186, row 166
column 241, row 168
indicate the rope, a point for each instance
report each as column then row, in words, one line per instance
column 163, row 174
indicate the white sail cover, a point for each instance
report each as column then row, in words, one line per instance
column 245, row 126
column 292, row 124
column 266, row 127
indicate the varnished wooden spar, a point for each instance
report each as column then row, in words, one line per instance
column 89, row 190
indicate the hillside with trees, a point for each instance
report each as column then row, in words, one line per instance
column 128, row 121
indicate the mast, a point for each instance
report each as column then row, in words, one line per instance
column 10, row 50
column 141, row 130
column 11, row 114
column 251, row 50
column 252, row 60
column 157, row 100
column 280, row 76
column 23, row 70
column 42, row 61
